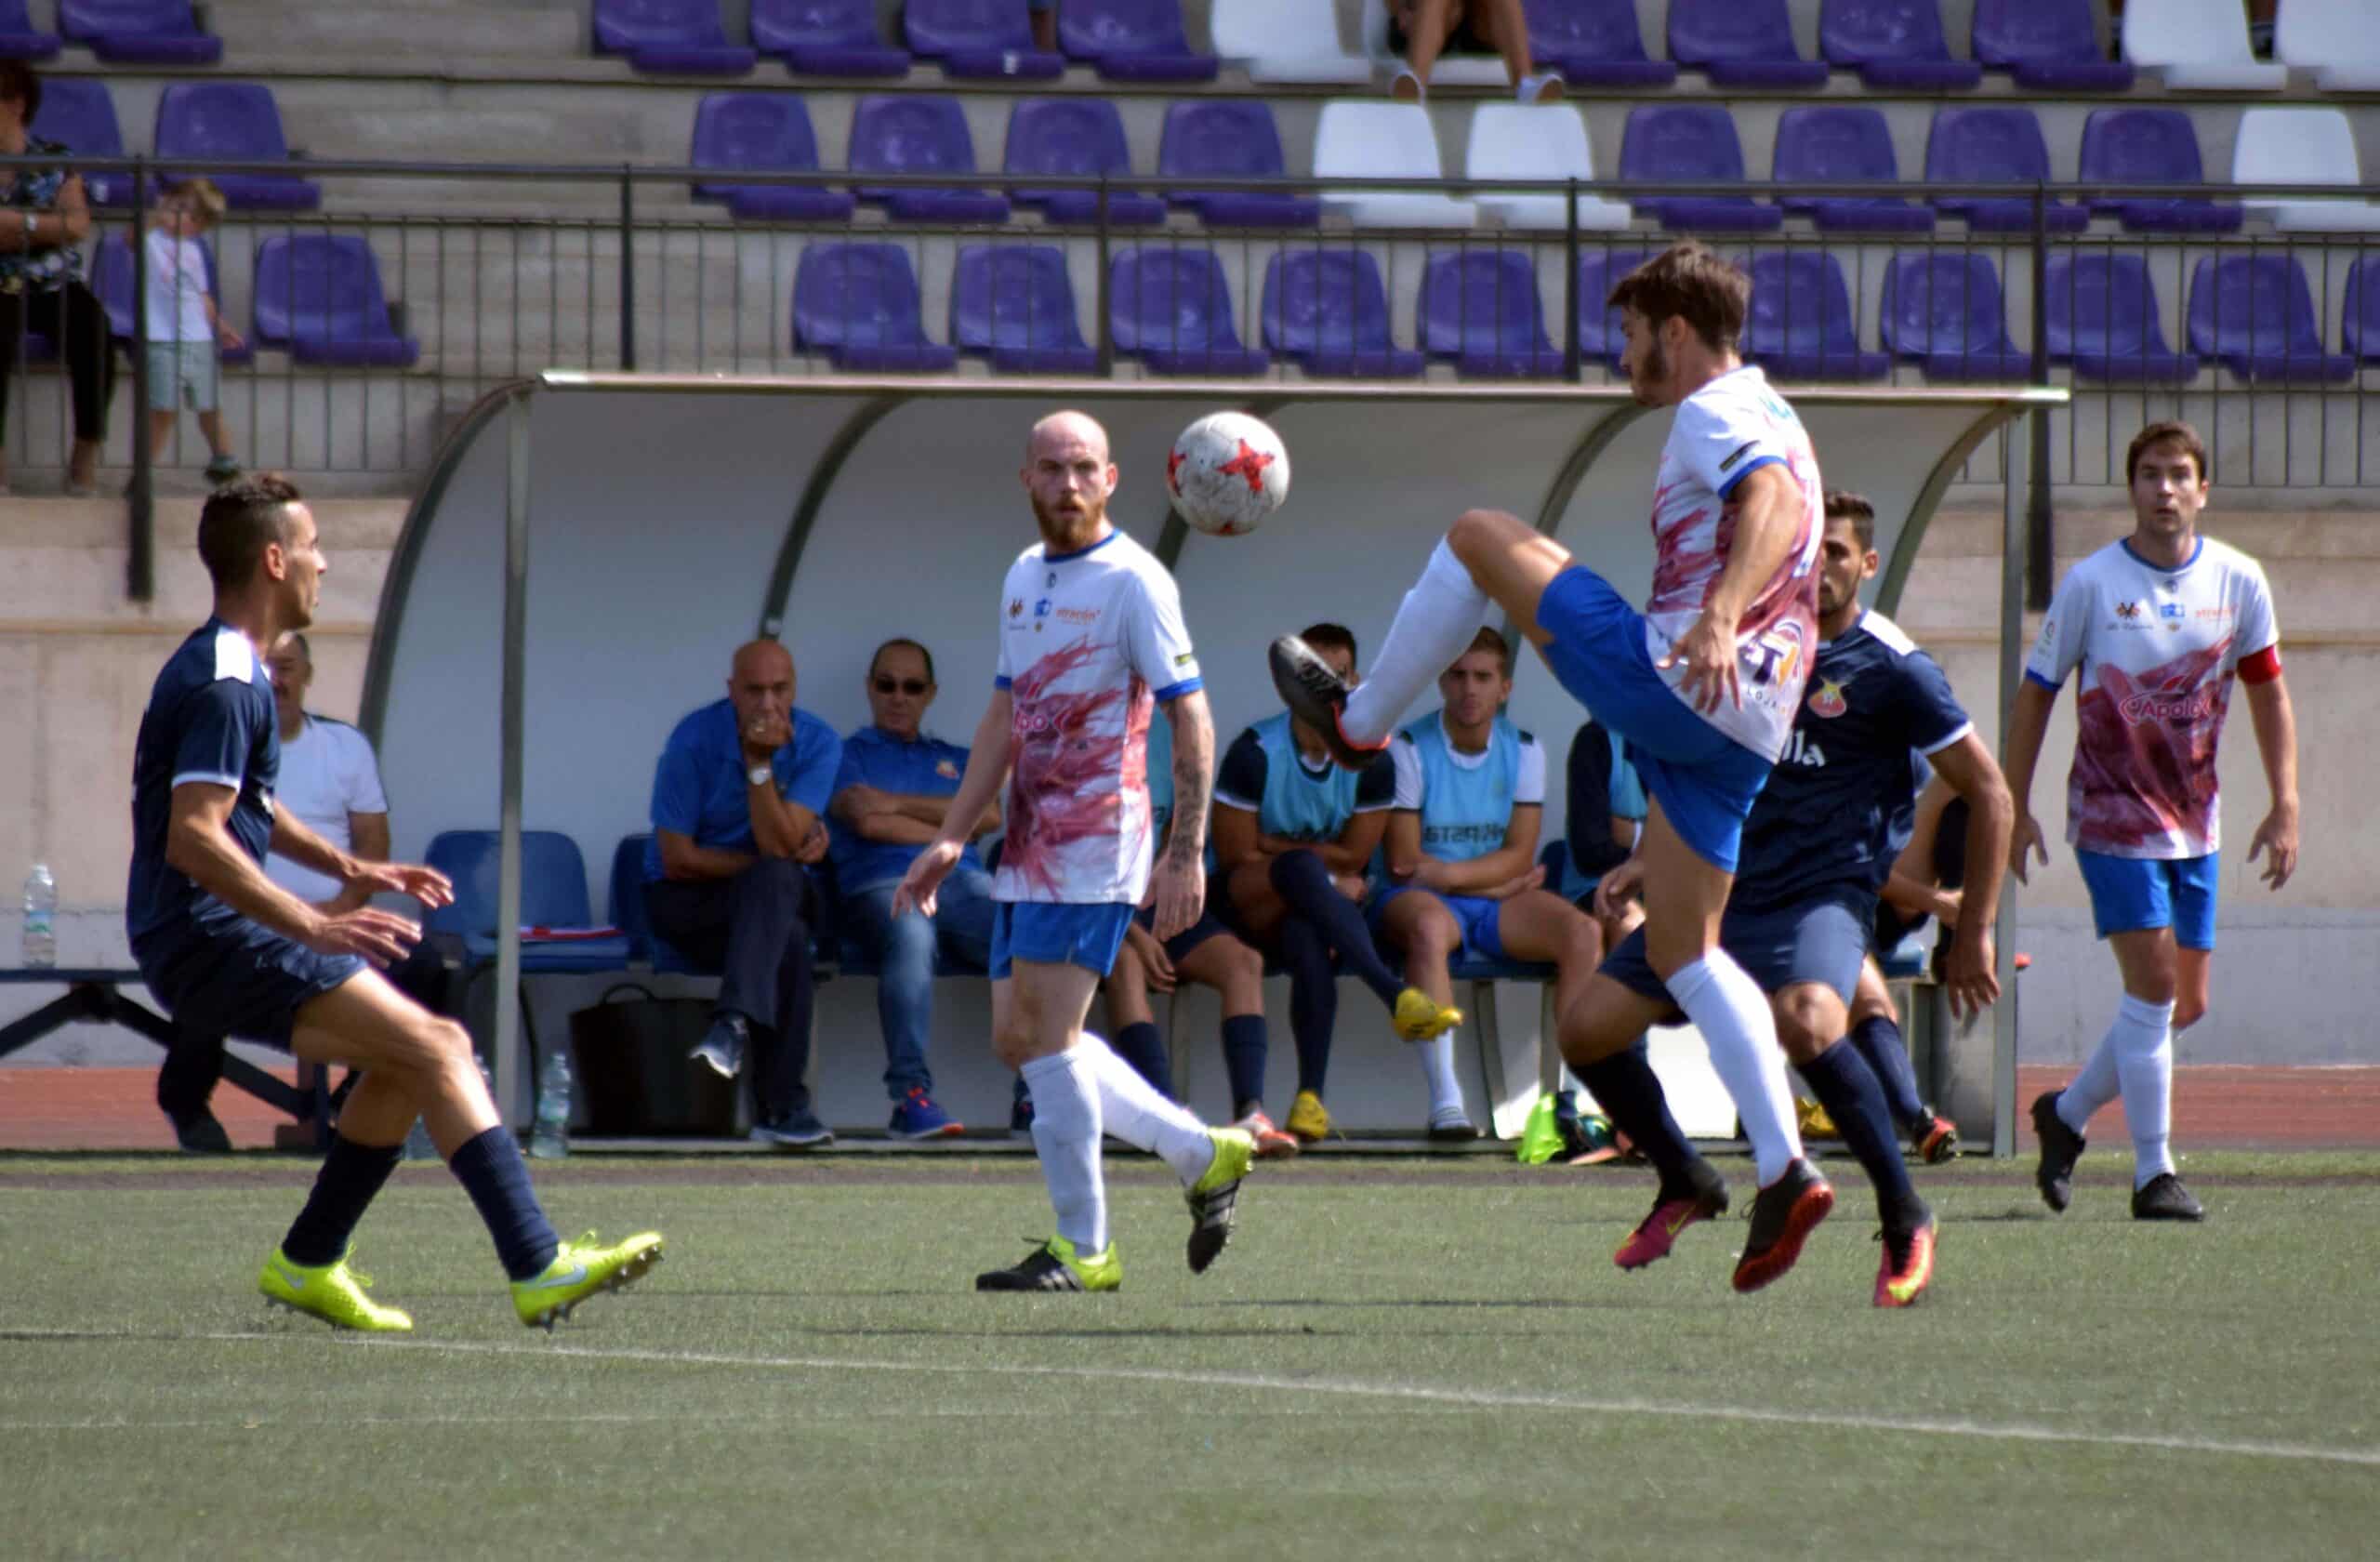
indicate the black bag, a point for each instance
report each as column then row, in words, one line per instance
column 634, row 1075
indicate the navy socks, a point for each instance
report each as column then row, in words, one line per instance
column 1879, row 1041
column 492, row 1172
column 350, row 1177
column 1847, row 1087
column 1144, row 1048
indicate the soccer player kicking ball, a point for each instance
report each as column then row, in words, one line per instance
column 2158, row 622
column 231, row 953
column 1091, row 639
column 1703, row 684
column 1820, row 842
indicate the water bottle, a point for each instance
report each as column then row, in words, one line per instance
column 549, row 1138
column 41, row 917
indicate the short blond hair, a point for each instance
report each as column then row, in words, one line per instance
column 205, row 199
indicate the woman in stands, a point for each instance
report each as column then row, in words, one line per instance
column 1421, row 30
column 43, row 218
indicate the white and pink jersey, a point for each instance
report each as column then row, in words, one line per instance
column 2158, row 648
column 1731, row 426
column 1089, row 642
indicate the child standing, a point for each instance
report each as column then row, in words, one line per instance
column 183, row 324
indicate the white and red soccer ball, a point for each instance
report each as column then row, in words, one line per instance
column 1228, row 471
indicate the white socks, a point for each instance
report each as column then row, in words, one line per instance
column 1134, row 1111
column 1446, row 1091
column 1732, row 1013
column 1065, row 1133
column 2136, row 1055
column 1439, row 619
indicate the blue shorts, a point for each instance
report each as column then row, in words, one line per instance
column 1054, row 933
column 1476, row 915
column 238, row 979
column 2129, row 894
column 1209, row 925
column 1704, row 780
column 1823, row 939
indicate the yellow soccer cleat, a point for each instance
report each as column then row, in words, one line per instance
column 1309, row 1119
column 578, row 1271
column 332, row 1292
column 1419, row 1018
column 1813, row 1120
column 1214, row 1197
column 1056, row 1265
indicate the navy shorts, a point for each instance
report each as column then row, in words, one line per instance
column 238, row 979
column 1209, row 925
column 1705, row 781
column 1823, row 940
column 2130, row 895
column 1482, row 937
column 1051, row 932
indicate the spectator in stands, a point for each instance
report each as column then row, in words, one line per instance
column 330, row 782
column 41, row 275
column 890, row 794
column 183, row 324
column 738, row 804
column 1463, row 869
column 1045, row 23
column 1421, row 30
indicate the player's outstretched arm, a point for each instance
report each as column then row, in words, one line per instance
column 2028, row 725
column 2276, row 723
column 1970, row 971
column 1769, row 517
column 988, row 765
column 1181, row 874
column 361, row 875
column 199, row 844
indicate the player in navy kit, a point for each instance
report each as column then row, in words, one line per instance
column 1820, row 844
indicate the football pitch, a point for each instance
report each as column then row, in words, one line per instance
column 1395, row 1357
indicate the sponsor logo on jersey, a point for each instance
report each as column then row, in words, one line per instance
column 1737, row 454
column 2150, row 704
column 1827, row 698
column 1078, row 615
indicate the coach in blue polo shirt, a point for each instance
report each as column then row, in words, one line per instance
column 737, row 798
column 890, row 794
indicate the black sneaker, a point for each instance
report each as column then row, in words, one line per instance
column 1054, row 1266
column 2163, row 1197
column 1783, row 1215
column 721, row 1048
column 2061, row 1147
column 1316, row 695
column 201, row 1133
column 794, row 1130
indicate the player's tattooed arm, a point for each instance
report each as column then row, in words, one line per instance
column 1194, row 768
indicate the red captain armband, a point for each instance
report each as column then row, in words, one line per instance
column 2262, row 667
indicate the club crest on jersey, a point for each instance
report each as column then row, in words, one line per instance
column 946, row 770
column 1015, row 606
column 1827, row 698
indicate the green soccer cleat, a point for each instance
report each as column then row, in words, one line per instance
column 578, row 1271
column 1056, row 1265
column 1214, row 1197
column 332, row 1292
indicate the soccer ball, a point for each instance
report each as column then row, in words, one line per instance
column 1228, row 471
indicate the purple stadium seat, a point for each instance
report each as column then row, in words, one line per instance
column 1479, row 308
column 2048, row 44
column 2256, row 313
column 2101, row 311
column 1893, row 43
column 1801, row 324
column 1015, row 304
column 1601, row 339
column 237, row 122
column 1994, row 146
column 1592, row 43
column 1942, row 310
column 1074, row 138
column 77, row 113
column 858, row 304
column 318, row 298
column 1325, row 311
column 1741, row 43
column 1171, row 308
column 111, row 280
column 19, row 39
column 762, row 130
column 1221, row 137
column 2151, row 146
column 1838, row 145
column 917, row 135
column 1690, row 143
column 2362, row 327
column 681, row 37
column 1133, row 40
column 978, row 38
column 141, row 31
column 827, row 37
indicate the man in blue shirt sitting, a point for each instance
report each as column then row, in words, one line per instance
column 890, row 796
column 736, row 802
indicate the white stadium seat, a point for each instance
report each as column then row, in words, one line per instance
column 1384, row 141
column 1285, row 41
column 2198, row 44
column 2338, row 40
column 2301, row 146
column 1536, row 141
column 1452, row 69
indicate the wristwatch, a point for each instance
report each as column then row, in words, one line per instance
column 760, row 776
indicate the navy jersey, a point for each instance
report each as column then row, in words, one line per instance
column 1265, row 773
column 210, row 719
column 1842, row 802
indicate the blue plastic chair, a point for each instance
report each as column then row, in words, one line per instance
column 1015, row 305
column 858, row 303
column 1601, row 339
column 682, row 37
column 1171, row 308
column 979, row 38
column 919, row 135
column 1076, row 138
column 2049, row 45
column 1741, row 43
column 318, row 298
column 140, row 32
column 2151, row 146
column 2256, row 313
column 1837, row 145
column 1893, row 43
column 1592, row 43
column 2103, row 318
column 1230, row 139
column 1801, row 324
column 237, row 122
column 2361, row 326
column 762, row 130
column 1943, row 311
column 1480, row 307
column 19, row 39
column 827, row 37
column 1994, row 146
column 553, row 893
column 1133, row 40
column 1325, row 311
column 1690, row 143
column 77, row 113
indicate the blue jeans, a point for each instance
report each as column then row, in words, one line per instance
column 904, row 948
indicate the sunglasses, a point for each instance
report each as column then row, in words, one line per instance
column 910, row 687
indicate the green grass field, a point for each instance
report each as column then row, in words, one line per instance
column 1397, row 1358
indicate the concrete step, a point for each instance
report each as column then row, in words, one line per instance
column 481, row 31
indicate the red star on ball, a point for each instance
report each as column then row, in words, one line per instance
column 1173, row 471
column 1249, row 463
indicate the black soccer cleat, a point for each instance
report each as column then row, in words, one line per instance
column 1214, row 1197
column 1316, row 695
column 1783, row 1215
column 2163, row 1197
column 2061, row 1147
column 1056, row 1265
